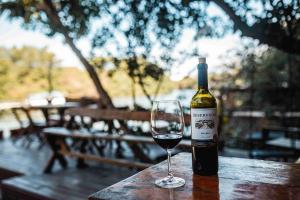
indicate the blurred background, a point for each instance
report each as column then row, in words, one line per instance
column 129, row 53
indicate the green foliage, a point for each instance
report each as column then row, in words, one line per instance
column 21, row 67
column 24, row 71
column 3, row 77
column 146, row 25
column 135, row 67
column 147, row 76
column 138, row 27
column 273, row 76
column 276, row 78
column 120, row 85
column 74, row 15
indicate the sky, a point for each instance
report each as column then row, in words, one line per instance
column 13, row 35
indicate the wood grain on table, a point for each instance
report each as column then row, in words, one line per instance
column 237, row 179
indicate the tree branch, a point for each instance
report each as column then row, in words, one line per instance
column 51, row 12
column 239, row 23
column 271, row 34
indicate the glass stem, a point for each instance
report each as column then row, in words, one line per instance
column 169, row 163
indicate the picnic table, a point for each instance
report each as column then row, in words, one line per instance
column 59, row 107
column 31, row 126
column 237, row 179
column 285, row 143
column 289, row 141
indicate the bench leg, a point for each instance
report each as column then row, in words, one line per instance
column 138, row 152
column 55, row 145
column 51, row 161
column 50, row 164
column 80, row 161
column 62, row 160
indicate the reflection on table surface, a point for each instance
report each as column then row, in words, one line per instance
column 237, row 179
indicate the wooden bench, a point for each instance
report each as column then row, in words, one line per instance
column 61, row 140
column 285, row 143
column 29, row 127
column 74, row 184
column 273, row 144
column 21, row 176
column 20, row 161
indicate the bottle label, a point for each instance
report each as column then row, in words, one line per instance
column 204, row 123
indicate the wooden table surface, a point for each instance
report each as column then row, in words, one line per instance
column 54, row 106
column 237, row 179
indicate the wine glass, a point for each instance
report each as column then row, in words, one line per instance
column 167, row 129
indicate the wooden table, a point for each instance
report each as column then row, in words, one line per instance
column 237, row 179
column 60, row 109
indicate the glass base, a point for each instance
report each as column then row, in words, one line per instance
column 170, row 182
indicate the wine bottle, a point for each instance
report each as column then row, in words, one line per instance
column 204, row 126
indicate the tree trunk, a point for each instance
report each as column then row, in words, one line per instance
column 49, row 77
column 92, row 72
column 161, row 79
column 142, row 85
column 133, row 92
column 51, row 12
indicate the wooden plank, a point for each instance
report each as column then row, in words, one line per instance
column 16, row 160
column 7, row 173
column 105, row 114
column 83, row 134
column 57, row 135
column 286, row 143
column 69, row 184
column 237, row 179
column 52, row 106
column 282, row 129
column 118, row 162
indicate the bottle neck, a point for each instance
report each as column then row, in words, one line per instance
column 202, row 76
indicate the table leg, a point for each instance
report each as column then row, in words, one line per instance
column 61, row 113
column 46, row 115
column 56, row 146
column 80, row 161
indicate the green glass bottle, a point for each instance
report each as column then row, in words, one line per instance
column 204, row 126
